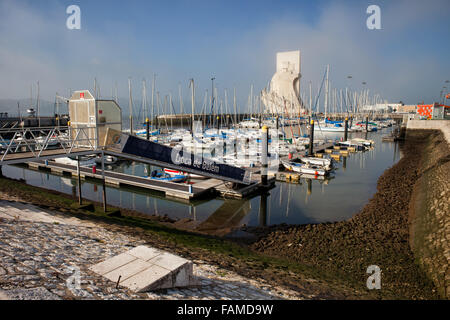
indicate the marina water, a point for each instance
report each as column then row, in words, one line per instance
column 336, row 198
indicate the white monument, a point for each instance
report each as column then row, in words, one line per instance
column 283, row 95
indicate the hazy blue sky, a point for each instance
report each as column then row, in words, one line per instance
column 236, row 41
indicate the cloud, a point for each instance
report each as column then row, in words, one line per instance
column 381, row 58
column 36, row 45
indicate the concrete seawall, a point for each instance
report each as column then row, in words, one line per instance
column 429, row 216
column 443, row 125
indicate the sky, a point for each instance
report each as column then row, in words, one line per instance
column 234, row 41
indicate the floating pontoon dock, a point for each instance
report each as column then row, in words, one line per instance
column 171, row 189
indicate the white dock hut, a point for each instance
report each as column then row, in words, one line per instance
column 94, row 117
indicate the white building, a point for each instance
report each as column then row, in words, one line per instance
column 381, row 107
column 283, row 95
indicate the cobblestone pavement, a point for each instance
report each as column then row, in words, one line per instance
column 40, row 251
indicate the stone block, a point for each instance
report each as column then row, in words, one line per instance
column 143, row 268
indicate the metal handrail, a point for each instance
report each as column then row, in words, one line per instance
column 41, row 139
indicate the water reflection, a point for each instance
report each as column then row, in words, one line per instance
column 312, row 200
column 226, row 218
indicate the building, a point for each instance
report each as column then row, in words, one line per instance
column 430, row 111
column 447, row 112
column 91, row 118
column 381, row 107
column 283, row 94
column 412, row 108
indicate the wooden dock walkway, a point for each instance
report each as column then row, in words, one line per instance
column 170, row 189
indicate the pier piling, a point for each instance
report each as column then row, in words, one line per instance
column 103, row 182
column 80, row 199
column 147, row 128
column 265, row 150
column 311, row 138
column 346, row 129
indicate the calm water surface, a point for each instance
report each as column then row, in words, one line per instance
column 311, row 201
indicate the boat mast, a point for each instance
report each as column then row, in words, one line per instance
column 191, row 84
column 327, row 84
column 212, row 103
column 31, row 96
column 310, row 98
column 153, row 105
column 158, row 109
column 181, row 104
column 38, row 104
column 171, row 110
column 234, row 106
column 144, row 100
column 130, row 104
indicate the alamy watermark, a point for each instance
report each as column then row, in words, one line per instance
column 374, row 280
column 73, row 282
column 74, row 20
column 234, row 149
column 373, row 22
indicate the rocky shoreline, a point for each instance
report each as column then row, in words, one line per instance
column 429, row 215
column 377, row 235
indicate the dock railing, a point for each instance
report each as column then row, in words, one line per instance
column 34, row 142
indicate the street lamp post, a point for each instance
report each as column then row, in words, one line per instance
column 443, row 94
column 363, row 100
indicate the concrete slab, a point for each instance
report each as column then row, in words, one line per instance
column 168, row 261
column 143, row 268
column 144, row 253
column 109, row 265
column 128, row 270
column 146, row 279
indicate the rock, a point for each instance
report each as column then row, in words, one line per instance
column 39, row 293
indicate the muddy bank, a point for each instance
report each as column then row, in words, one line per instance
column 377, row 235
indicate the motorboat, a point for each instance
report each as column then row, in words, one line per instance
column 162, row 176
column 305, row 168
column 173, row 173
